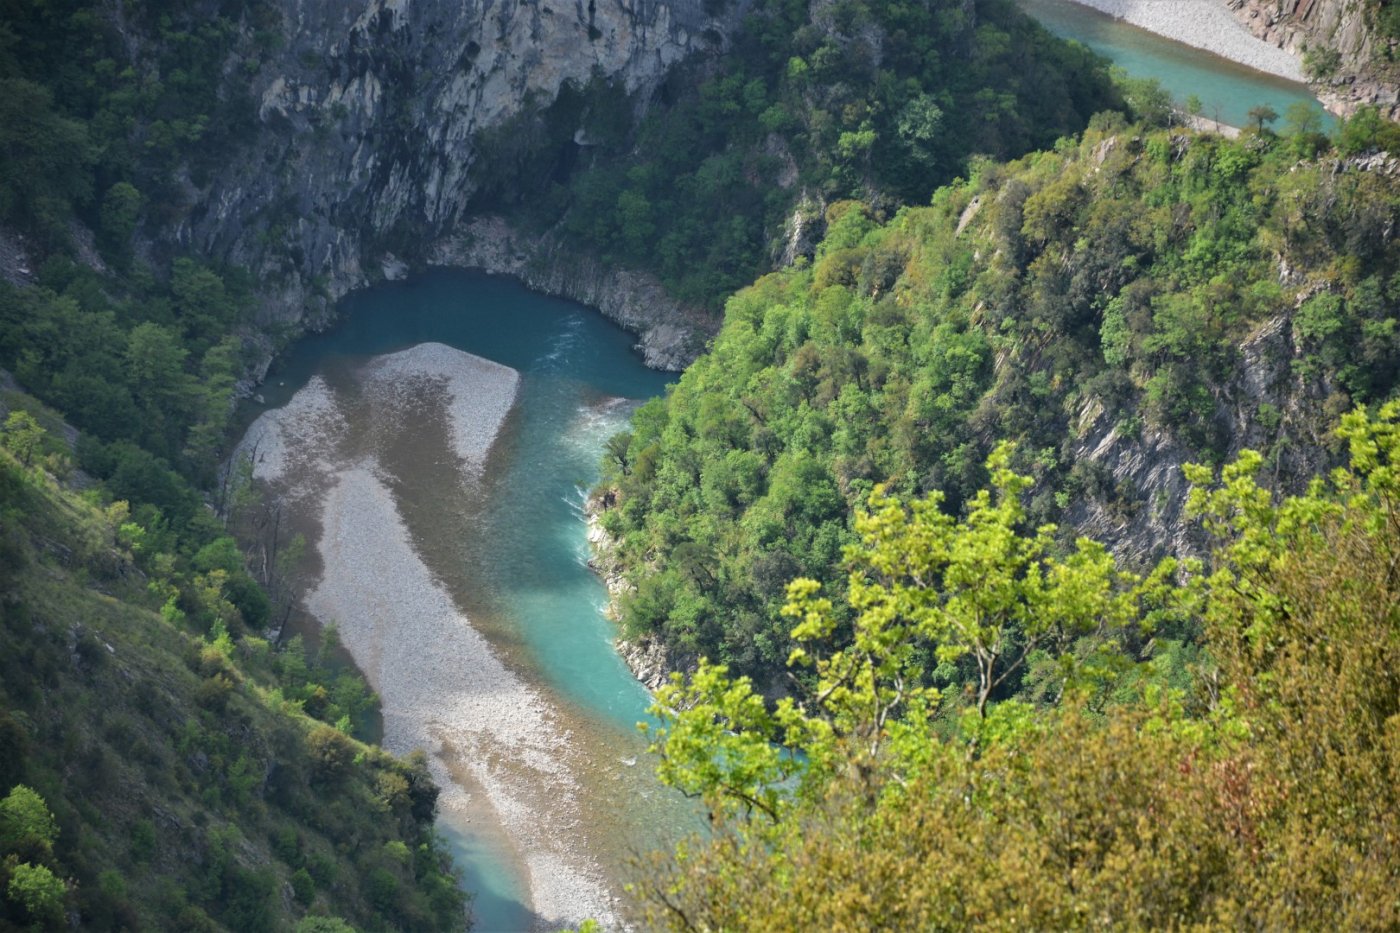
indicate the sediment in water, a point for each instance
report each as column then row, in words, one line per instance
column 442, row 686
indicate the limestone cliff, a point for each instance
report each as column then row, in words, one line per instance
column 1348, row 56
column 1140, row 509
column 670, row 336
column 367, row 118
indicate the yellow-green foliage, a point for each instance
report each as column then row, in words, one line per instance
column 1266, row 798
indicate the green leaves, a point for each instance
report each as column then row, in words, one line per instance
column 924, row 583
column 924, row 587
column 22, row 435
column 1264, row 796
column 26, row 825
column 720, row 741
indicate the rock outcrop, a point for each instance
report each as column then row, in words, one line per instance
column 670, row 335
column 368, row 121
column 646, row 657
column 1359, row 71
column 1140, row 506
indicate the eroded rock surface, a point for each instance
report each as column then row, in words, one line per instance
column 368, row 125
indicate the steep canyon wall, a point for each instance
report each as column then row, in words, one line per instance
column 1359, row 69
column 366, row 128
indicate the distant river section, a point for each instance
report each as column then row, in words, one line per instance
column 1227, row 91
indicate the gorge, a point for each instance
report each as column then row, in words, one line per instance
column 456, row 575
column 963, row 232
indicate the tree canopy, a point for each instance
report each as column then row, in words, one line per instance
column 1265, row 795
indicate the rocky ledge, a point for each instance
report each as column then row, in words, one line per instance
column 670, row 335
column 646, row 657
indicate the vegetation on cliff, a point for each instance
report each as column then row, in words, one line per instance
column 881, row 100
column 109, row 118
column 1104, row 295
column 162, row 764
column 187, row 779
column 1264, row 795
column 1070, row 734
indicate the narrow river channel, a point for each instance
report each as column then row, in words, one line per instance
column 1227, row 91
column 503, row 547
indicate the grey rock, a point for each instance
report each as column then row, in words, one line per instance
column 670, row 334
column 369, row 118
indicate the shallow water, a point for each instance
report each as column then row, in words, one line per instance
column 511, row 549
column 1226, row 90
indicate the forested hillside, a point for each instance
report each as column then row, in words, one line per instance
column 170, row 761
column 1263, row 796
column 736, row 157
column 1128, row 301
column 165, row 767
column 1061, row 736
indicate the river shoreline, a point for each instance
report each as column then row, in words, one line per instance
column 1203, row 24
column 504, row 757
column 645, row 657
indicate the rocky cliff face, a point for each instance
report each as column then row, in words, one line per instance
column 1362, row 73
column 367, row 120
column 670, row 336
column 1140, row 508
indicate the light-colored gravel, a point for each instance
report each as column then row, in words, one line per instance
column 479, row 395
column 441, row 682
column 1203, row 24
column 304, row 433
column 442, row 686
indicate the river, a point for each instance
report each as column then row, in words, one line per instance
column 1227, row 91
column 505, row 549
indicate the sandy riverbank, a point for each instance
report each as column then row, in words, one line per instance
column 1203, row 24
column 496, row 746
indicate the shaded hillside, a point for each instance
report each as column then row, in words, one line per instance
column 189, row 786
column 324, row 150
column 736, row 155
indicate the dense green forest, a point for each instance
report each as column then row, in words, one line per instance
column 165, row 766
column 169, row 765
column 1112, row 281
column 880, row 100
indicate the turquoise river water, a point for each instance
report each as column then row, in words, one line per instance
column 1227, row 91
column 521, row 572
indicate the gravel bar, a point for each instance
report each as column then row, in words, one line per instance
column 442, row 686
